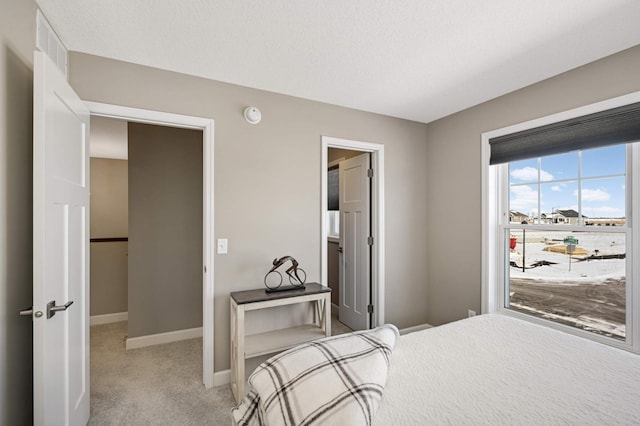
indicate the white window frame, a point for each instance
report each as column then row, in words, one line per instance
column 333, row 216
column 495, row 212
column 333, row 224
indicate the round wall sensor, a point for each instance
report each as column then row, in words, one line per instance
column 252, row 115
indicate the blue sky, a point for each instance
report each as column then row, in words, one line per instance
column 603, row 182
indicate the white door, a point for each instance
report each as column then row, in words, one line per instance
column 355, row 229
column 60, row 250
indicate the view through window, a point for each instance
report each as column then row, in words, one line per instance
column 568, row 237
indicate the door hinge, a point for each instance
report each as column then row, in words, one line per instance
column 370, row 173
column 370, row 309
column 370, row 241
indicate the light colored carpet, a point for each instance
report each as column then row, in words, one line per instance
column 157, row 385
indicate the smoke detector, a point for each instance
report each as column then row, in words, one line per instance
column 252, row 115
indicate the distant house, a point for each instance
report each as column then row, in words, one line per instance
column 567, row 217
column 606, row 221
column 544, row 219
column 517, row 217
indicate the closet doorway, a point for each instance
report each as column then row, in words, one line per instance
column 204, row 130
column 354, row 247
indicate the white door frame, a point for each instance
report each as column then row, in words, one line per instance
column 377, row 217
column 207, row 126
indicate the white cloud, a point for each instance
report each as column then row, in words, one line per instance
column 528, row 174
column 593, row 195
column 556, row 188
column 604, row 211
column 523, row 199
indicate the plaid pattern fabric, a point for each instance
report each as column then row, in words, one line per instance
column 337, row 380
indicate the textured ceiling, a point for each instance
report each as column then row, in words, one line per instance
column 414, row 59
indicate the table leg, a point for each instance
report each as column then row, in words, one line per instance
column 327, row 314
column 237, row 351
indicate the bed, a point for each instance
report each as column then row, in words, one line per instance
column 494, row 369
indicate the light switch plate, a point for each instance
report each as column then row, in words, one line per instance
column 223, row 245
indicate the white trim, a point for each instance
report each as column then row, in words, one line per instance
column 222, row 378
column 414, row 329
column 148, row 116
column 108, row 318
column 162, row 338
column 564, row 115
column 335, row 308
column 207, row 127
column 633, row 292
column 378, row 216
column 494, row 200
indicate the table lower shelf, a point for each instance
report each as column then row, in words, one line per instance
column 279, row 340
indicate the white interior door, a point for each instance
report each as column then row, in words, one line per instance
column 355, row 228
column 60, row 250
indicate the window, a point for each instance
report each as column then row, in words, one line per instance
column 559, row 227
column 565, row 265
column 333, row 189
column 333, row 223
column 333, row 202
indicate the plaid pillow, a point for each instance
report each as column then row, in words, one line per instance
column 336, row 380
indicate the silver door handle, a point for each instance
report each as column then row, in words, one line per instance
column 29, row 311
column 52, row 308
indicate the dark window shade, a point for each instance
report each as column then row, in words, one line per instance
column 610, row 127
column 333, row 190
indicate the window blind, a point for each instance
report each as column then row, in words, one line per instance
column 610, row 127
column 333, row 190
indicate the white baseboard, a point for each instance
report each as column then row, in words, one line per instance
column 414, row 328
column 335, row 308
column 160, row 338
column 108, row 318
column 221, row 378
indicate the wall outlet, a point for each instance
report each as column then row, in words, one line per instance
column 472, row 313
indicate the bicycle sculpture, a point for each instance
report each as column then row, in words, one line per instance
column 297, row 276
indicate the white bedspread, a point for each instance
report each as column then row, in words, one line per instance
column 492, row 369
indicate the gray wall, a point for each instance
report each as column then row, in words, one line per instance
column 17, row 39
column 165, row 229
column 453, row 165
column 109, row 198
column 109, row 218
column 267, row 178
column 109, row 278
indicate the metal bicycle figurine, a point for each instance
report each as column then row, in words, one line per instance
column 294, row 273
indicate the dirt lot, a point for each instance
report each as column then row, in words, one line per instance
column 573, row 300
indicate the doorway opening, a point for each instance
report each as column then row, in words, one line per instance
column 376, row 229
column 205, row 125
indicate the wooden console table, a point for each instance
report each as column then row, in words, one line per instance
column 243, row 347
